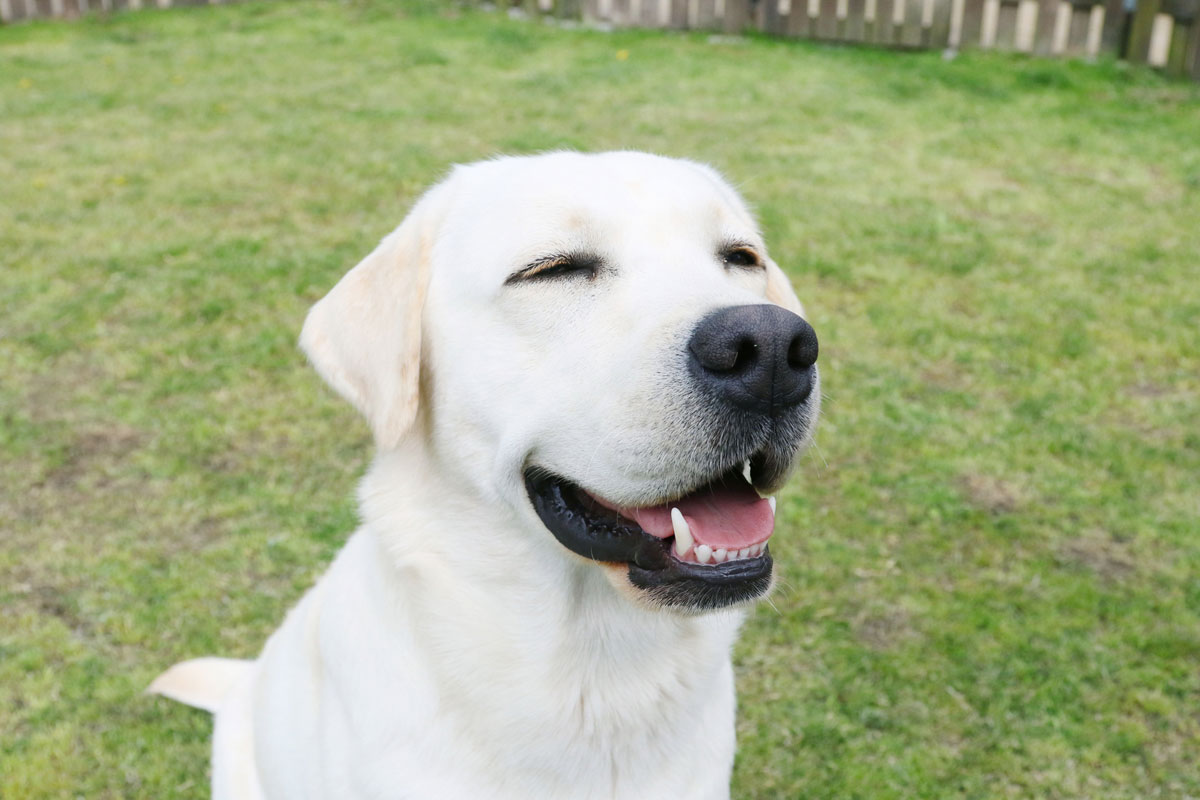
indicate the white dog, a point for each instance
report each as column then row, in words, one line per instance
column 582, row 373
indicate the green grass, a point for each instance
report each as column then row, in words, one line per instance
column 990, row 567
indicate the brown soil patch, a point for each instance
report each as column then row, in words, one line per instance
column 1098, row 552
column 991, row 494
column 883, row 629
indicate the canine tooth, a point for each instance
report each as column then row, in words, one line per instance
column 744, row 552
column 746, row 472
column 703, row 553
column 683, row 534
column 758, row 548
column 771, row 500
column 720, row 555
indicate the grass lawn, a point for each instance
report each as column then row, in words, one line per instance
column 990, row 567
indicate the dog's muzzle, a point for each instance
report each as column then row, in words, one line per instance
column 706, row 547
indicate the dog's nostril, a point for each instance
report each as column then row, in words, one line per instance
column 744, row 355
column 802, row 352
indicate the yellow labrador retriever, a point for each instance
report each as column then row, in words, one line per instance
column 585, row 377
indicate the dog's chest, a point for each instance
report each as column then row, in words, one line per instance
column 463, row 694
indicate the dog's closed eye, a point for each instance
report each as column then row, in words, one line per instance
column 559, row 266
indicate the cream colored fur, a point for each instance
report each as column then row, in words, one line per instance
column 454, row 649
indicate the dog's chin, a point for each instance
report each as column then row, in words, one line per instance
column 701, row 550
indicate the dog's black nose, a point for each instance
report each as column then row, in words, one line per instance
column 758, row 358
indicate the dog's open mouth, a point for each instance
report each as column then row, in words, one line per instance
column 706, row 548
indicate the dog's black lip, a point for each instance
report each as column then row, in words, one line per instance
column 687, row 585
column 607, row 537
column 599, row 537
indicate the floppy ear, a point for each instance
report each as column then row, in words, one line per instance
column 779, row 289
column 364, row 337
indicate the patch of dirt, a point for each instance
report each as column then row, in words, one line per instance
column 945, row 376
column 54, row 393
column 92, row 448
column 883, row 629
column 1098, row 552
column 992, row 494
column 50, row 600
column 1148, row 389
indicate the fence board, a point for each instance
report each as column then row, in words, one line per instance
column 1006, row 26
column 1025, row 26
column 910, row 34
column 1191, row 61
column 899, row 15
column 841, row 15
column 1160, row 40
column 884, row 29
column 856, row 24
column 989, row 24
column 772, row 20
column 901, row 11
column 955, row 34
column 1142, row 29
column 619, row 13
column 827, row 27
column 1093, row 39
column 737, row 16
column 1114, row 35
column 679, row 14
column 1081, row 29
column 1178, row 49
column 939, row 29
column 1047, row 23
column 1061, row 35
column 794, row 18
column 972, row 22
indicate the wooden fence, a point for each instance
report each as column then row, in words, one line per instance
column 1162, row 33
column 17, row 10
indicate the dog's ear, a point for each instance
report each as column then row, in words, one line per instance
column 780, row 291
column 364, row 337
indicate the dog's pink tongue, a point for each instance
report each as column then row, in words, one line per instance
column 729, row 518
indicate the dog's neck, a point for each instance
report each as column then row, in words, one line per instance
column 531, row 617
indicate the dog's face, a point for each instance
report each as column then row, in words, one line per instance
column 604, row 346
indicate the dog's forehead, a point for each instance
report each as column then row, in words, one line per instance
column 518, row 208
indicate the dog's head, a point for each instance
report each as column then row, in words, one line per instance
column 599, row 341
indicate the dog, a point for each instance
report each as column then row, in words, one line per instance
column 585, row 378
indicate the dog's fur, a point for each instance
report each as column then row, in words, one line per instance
column 455, row 649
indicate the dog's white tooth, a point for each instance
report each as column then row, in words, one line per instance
column 703, row 553
column 683, row 534
column 744, row 552
column 746, row 472
column 771, row 501
column 720, row 555
column 758, row 549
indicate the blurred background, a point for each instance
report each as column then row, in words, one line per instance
column 989, row 564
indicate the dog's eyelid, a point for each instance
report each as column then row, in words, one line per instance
column 558, row 265
column 741, row 254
